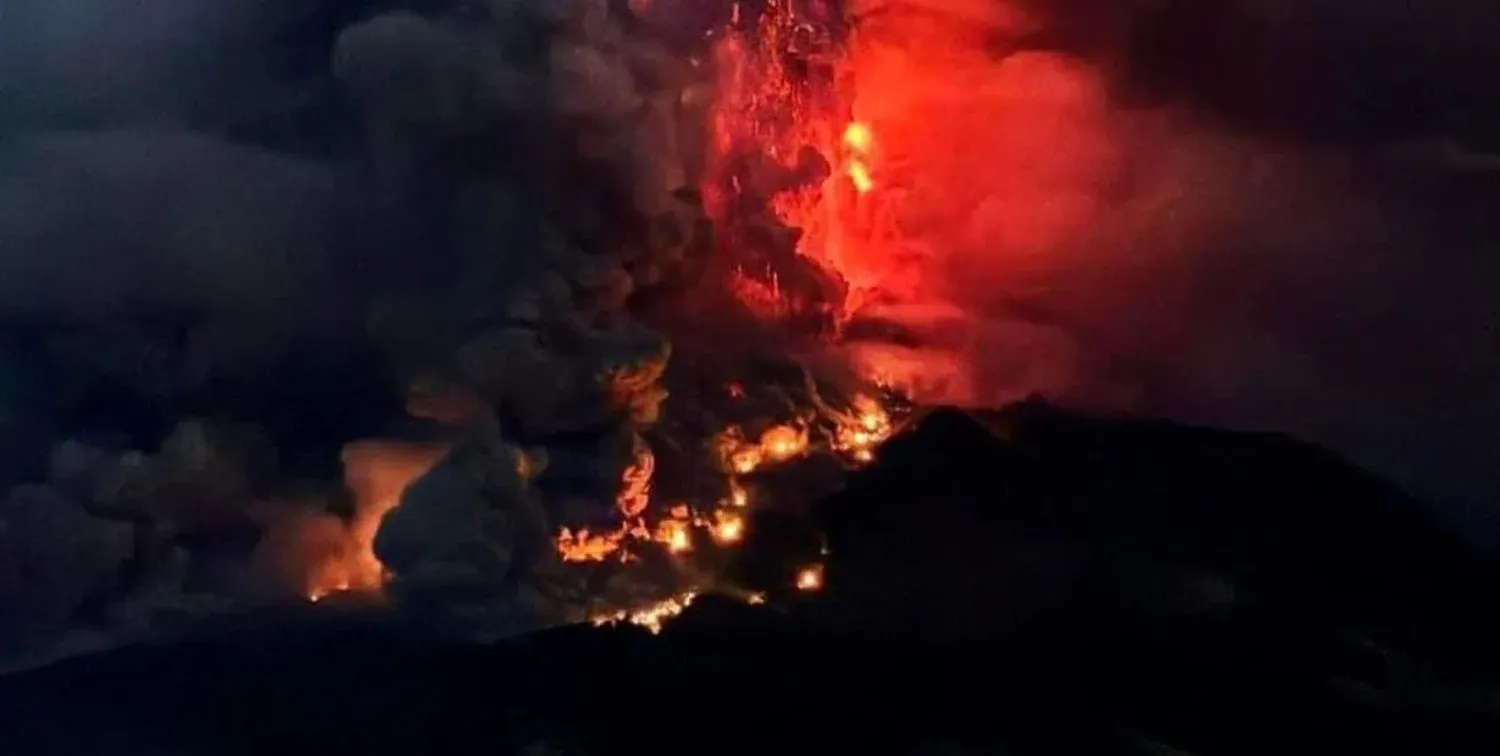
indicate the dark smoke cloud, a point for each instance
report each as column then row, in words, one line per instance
column 1327, row 70
column 237, row 237
column 1365, row 253
column 1262, row 214
column 184, row 232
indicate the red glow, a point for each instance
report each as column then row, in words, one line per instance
column 953, row 178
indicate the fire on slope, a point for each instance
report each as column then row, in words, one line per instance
column 852, row 434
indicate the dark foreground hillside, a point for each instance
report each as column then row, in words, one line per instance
column 1025, row 582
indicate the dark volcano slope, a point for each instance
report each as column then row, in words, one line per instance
column 1028, row 582
column 1104, row 505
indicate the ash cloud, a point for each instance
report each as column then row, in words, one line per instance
column 1259, row 214
column 267, row 264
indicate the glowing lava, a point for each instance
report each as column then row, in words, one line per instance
column 652, row 617
column 851, row 432
column 728, row 528
column 858, row 142
column 632, row 501
column 777, row 444
column 862, row 429
column 810, row 579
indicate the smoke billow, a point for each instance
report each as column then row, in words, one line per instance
column 297, row 297
column 1229, row 212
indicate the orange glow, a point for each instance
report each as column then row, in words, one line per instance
column 631, row 503
column 852, row 431
column 584, row 546
column 865, row 427
column 858, row 141
column 739, row 498
column 742, row 456
column 376, row 474
column 782, row 443
column 675, row 535
column 859, row 176
column 810, row 579
column 729, row 528
column 652, row 617
column 858, row 138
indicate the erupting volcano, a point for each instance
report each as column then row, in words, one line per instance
column 453, row 367
column 801, row 199
column 804, row 210
column 685, row 266
column 815, row 169
column 628, row 291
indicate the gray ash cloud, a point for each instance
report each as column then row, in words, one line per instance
column 243, row 247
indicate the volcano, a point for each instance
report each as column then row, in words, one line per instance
column 605, row 376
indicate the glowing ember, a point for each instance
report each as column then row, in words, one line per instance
column 583, row 546
column 810, row 579
column 729, row 528
column 858, row 141
column 631, row 502
column 739, row 498
column 778, row 444
column 862, row 429
column 675, row 535
column 858, row 138
column 652, row 617
column 782, row 443
column 859, row 175
column 635, row 492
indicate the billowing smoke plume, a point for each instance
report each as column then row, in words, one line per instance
column 1230, row 212
column 344, row 311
